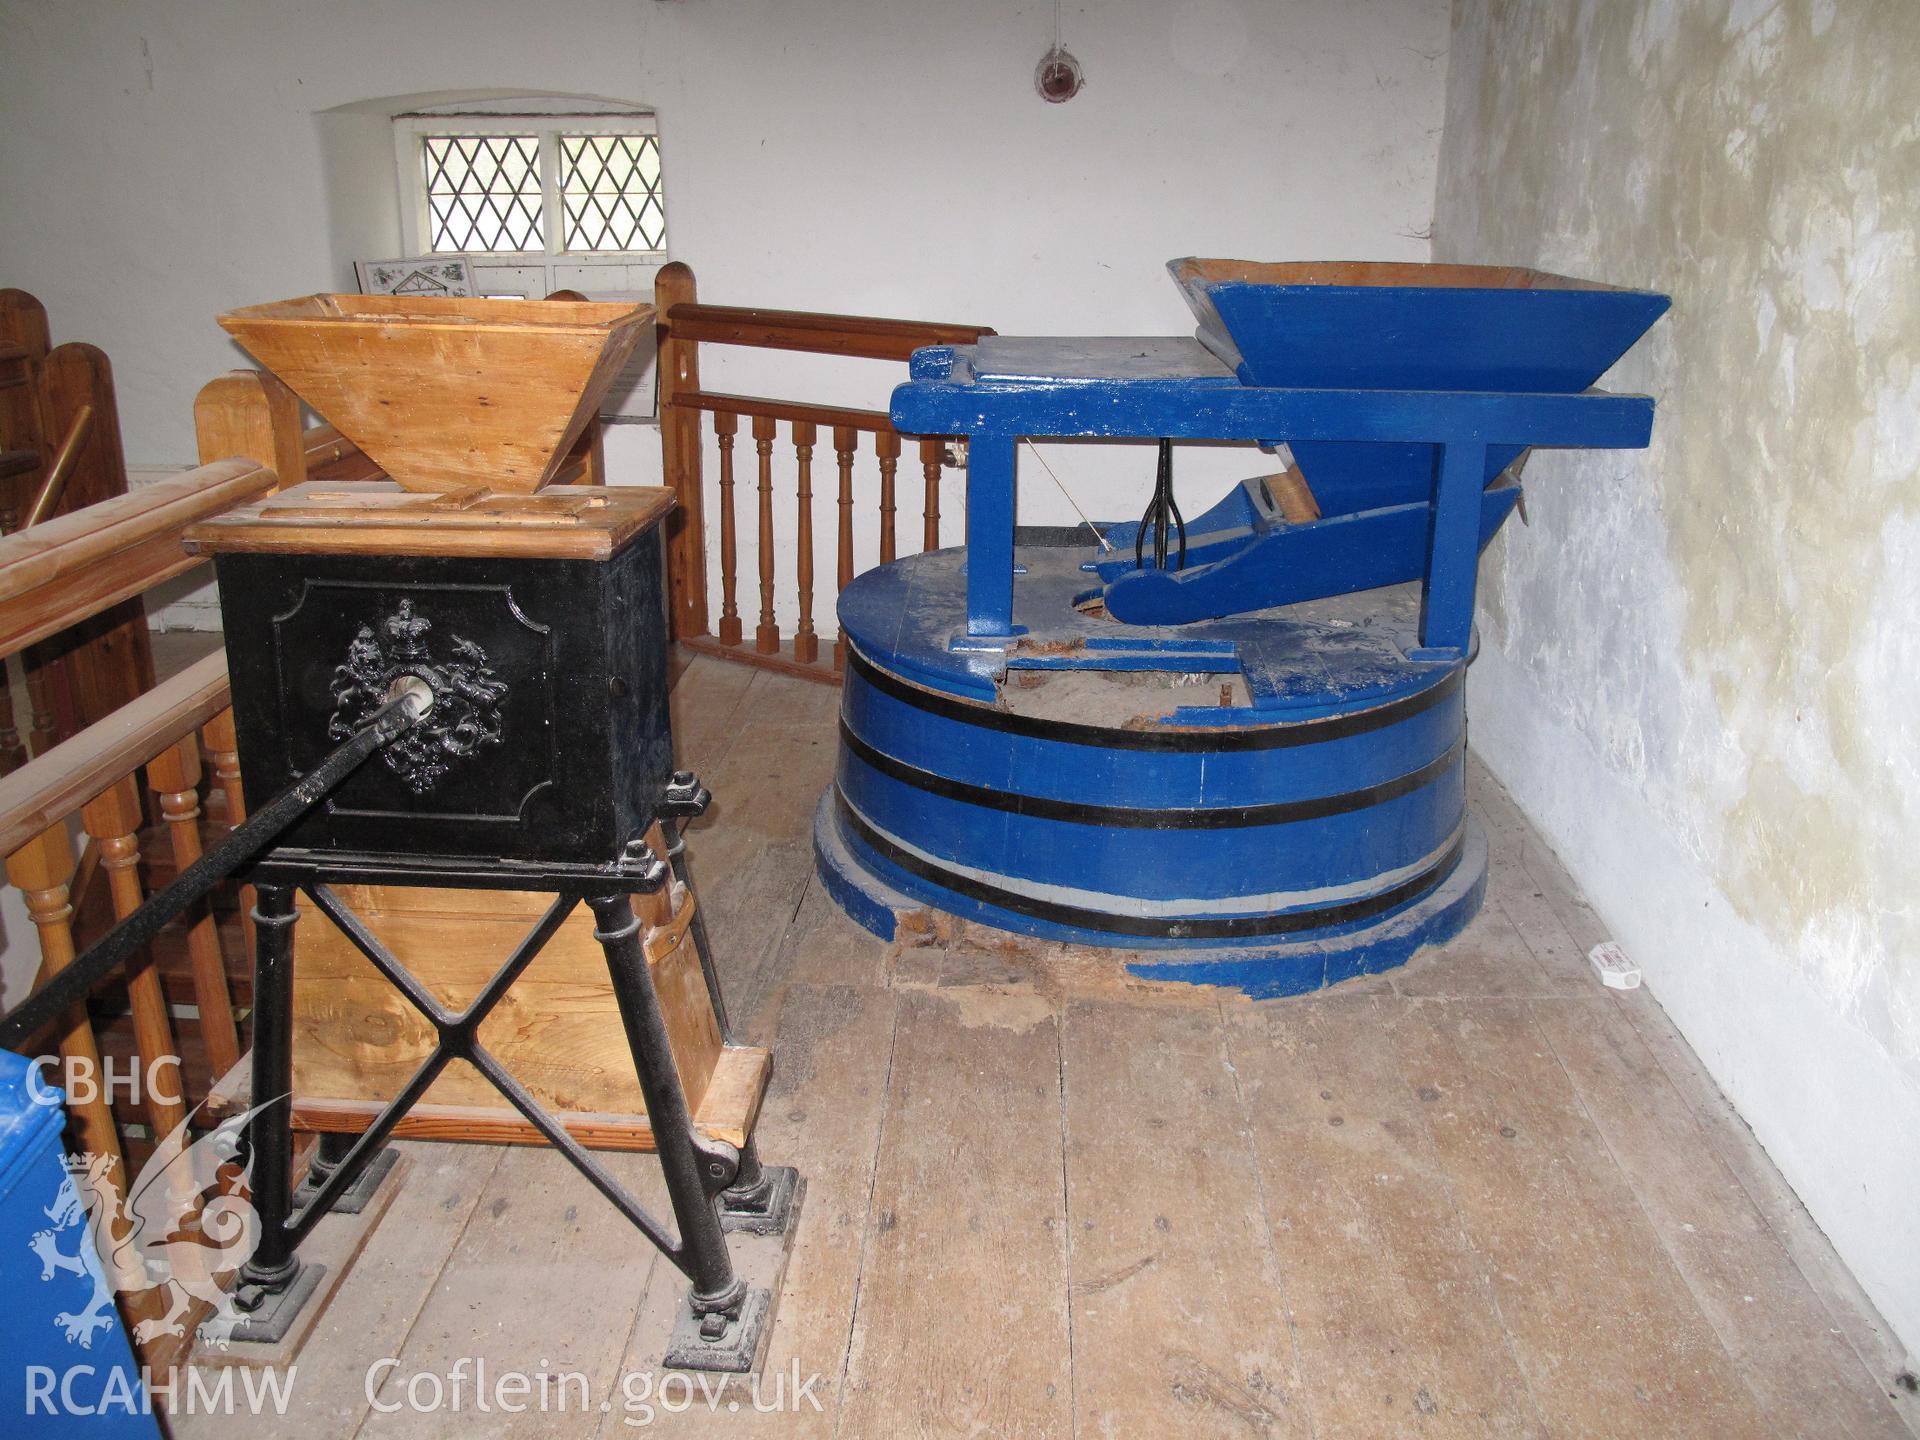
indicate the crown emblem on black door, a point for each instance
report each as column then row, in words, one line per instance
column 465, row 717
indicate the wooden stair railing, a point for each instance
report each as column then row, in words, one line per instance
column 60, row 452
column 92, row 785
column 684, row 325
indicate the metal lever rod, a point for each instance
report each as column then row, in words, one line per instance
column 1160, row 510
column 241, row 846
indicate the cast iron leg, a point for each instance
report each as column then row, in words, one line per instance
column 273, row 1285
column 692, row 1178
column 270, row 1131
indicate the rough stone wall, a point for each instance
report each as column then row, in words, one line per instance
column 1729, row 622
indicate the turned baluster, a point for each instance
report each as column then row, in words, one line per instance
column 13, row 754
column 724, row 426
column 845, row 437
column 806, row 645
column 42, row 727
column 887, row 443
column 42, row 870
column 766, row 637
column 930, row 453
column 174, row 775
column 223, row 749
column 113, row 820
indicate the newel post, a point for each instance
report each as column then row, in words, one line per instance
column 251, row 414
column 679, row 372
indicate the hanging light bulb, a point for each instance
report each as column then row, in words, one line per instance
column 1057, row 77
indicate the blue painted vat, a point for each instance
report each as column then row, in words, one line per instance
column 1277, row 842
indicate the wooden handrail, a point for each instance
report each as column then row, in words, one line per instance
column 76, row 565
column 763, row 408
column 51, row 787
column 250, row 440
column 683, row 324
column 864, row 336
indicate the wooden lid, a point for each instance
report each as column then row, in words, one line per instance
column 572, row 522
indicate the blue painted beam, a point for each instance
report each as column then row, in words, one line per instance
column 1286, row 564
column 1595, row 419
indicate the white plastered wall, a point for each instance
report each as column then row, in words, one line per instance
column 1700, row 668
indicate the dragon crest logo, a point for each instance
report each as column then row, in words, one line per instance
column 183, row 1225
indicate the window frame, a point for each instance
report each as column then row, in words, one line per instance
column 411, row 131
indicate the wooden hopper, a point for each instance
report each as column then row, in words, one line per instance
column 447, row 394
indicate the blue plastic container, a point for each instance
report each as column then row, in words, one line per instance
column 66, row 1366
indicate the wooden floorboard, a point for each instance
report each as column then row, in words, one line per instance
column 1476, row 1196
column 960, row 1327
column 1798, row 1366
column 822, row 1114
column 1604, row 1327
column 545, row 1278
column 1178, row 1307
column 1398, row 1326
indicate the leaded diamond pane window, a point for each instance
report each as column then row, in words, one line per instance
column 483, row 192
column 610, row 193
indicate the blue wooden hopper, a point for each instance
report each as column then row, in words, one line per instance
column 1366, row 326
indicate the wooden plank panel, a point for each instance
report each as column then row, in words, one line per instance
column 1177, row 1302
column 1601, row 1321
column 726, row 1112
column 962, row 1321
column 1768, row 1317
column 557, row 1029
column 1398, row 1328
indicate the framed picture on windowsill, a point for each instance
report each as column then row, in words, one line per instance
column 421, row 275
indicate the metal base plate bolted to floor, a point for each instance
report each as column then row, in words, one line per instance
column 277, row 1312
column 770, row 1216
column 733, row 1353
column 356, row 1196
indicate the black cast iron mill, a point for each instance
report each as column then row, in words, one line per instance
column 469, row 694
